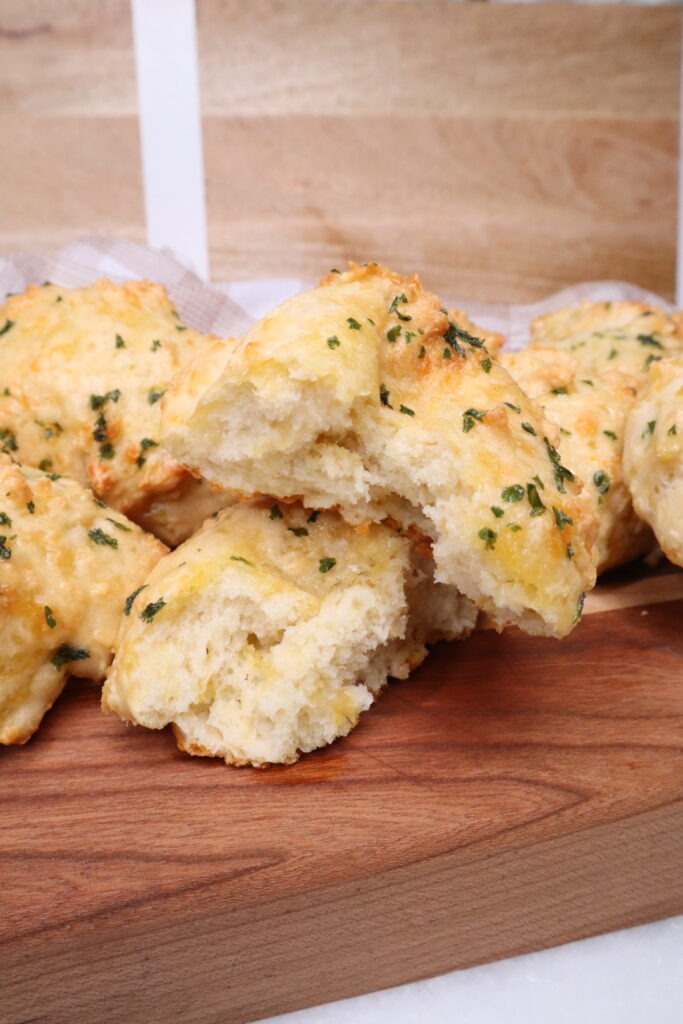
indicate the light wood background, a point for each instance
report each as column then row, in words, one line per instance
column 502, row 150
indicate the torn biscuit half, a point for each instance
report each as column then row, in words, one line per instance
column 271, row 630
column 365, row 395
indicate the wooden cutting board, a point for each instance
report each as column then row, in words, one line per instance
column 516, row 793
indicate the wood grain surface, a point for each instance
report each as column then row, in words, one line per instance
column 514, row 794
column 503, row 151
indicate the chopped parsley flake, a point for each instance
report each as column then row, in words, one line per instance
column 514, row 526
column 5, row 552
column 8, row 440
column 31, row 507
column 179, row 327
column 613, row 354
column 560, row 472
column 486, row 365
column 325, row 564
column 45, row 464
column 353, row 323
column 9, row 324
column 406, row 411
column 120, row 343
column 97, row 401
column 422, row 353
column 513, row 493
column 393, row 308
column 465, row 335
column 107, row 450
column 672, row 430
column 610, row 433
column 601, row 481
column 559, row 391
column 652, row 359
column 333, row 341
column 119, row 526
column 154, row 396
column 65, row 654
column 488, row 535
column 515, row 408
column 498, row 512
column 384, row 395
column 298, row 531
column 393, row 334
column 570, row 550
column 589, row 382
column 649, row 429
column 529, row 429
column 561, row 518
column 537, row 506
column 49, row 617
column 313, row 516
column 100, row 430
column 5, row 519
column 446, row 353
column 579, row 607
column 275, row 512
column 151, row 609
column 127, row 608
column 539, row 483
column 649, row 339
column 409, row 335
column 98, row 536
column 238, row 558
column 99, row 502
column 155, row 345
column 469, row 417
column 451, row 335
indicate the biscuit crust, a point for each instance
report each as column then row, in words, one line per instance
column 363, row 395
column 626, row 336
column 653, row 455
column 591, row 413
column 66, row 567
column 272, row 629
column 81, row 378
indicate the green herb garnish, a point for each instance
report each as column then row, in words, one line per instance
column 9, row 324
column 65, row 654
column 120, row 343
column 561, row 518
column 325, row 564
column 5, row 552
column 298, row 531
column 49, row 617
column 406, row 411
column 497, row 511
column 384, row 395
column 610, row 433
column 513, row 493
column 131, row 598
column 649, row 339
column 154, row 396
column 333, row 341
column 601, row 481
column 238, row 558
column 529, row 429
column 275, row 512
column 488, row 535
column 98, row 536
column 393, row 334
column 537, row 506
column 150, row 610
column 353, row 323
column 97, row 401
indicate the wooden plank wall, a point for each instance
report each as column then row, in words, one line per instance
column 503, row 151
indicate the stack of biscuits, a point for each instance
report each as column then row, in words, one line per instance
column 246, row 538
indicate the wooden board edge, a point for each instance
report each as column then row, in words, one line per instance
column 245, row 962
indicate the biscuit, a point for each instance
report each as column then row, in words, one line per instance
column 270, row 630
column 627, row 336
column 363, row 395
column 66, row 567
column 653, row 455
column 591, row 414
column 81, row 378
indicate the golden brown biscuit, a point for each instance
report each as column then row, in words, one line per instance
column 82, row 374
column 67, row 565
column 591, row 413
column 653, row 455
column 362, row 394
column 273, row 628
column 627, row 336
